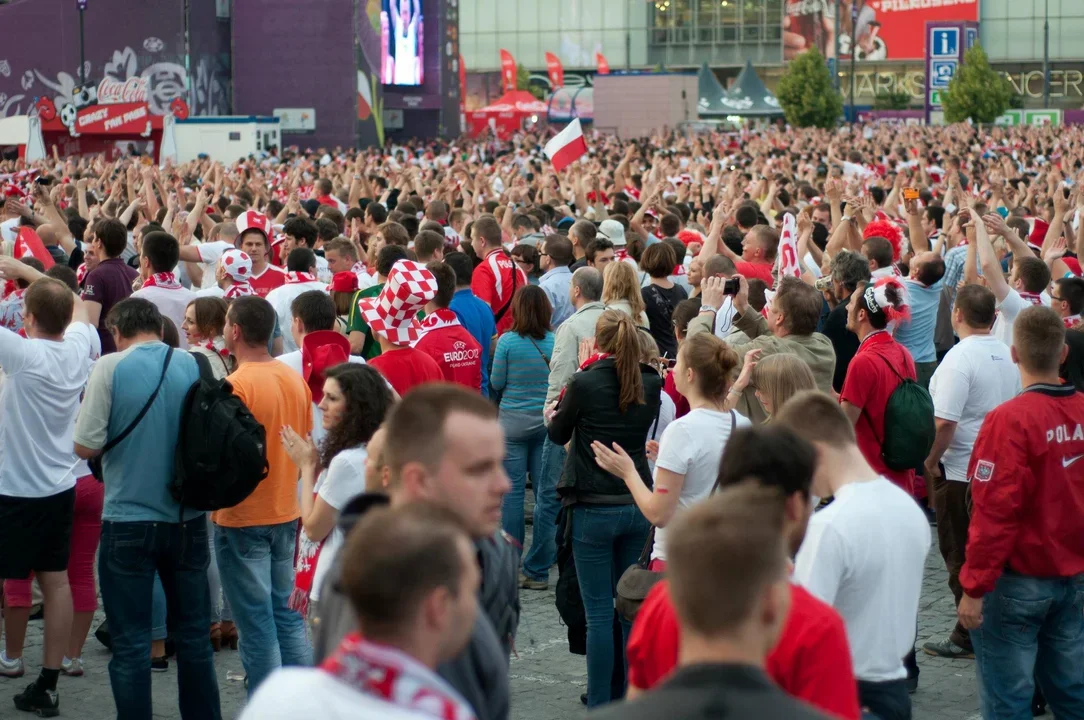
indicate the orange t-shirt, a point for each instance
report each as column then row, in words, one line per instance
column 276, row 396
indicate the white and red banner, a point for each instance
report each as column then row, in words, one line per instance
column 566, row 146
column 603, row 65
column 555, row 70
column 508, row 71
column 788, row 249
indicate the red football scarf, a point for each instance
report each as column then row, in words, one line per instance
column 1072, row 321
column 1033, row 298
column 308, row 556
column 393, row 676
column 238, row 290
column 166, row 281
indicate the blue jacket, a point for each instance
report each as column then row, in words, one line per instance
column 478, row 319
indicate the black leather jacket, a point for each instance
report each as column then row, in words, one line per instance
column 589, row 410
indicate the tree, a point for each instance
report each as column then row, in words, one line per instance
column 976, row 91
column 806, row 93
column 523, row 82
column 892, row 100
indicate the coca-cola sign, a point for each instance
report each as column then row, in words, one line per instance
column 132, row 90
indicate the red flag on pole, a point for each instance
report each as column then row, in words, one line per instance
column 566, row 146
column 603, row 66
column 508, row 71
column 28, row 243
column 555, row 70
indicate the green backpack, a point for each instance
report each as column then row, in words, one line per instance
column 909, row 425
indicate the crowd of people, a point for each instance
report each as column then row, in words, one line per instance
column 743, row 374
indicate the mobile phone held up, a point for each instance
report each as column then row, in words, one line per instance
column 731, row 286
column 910, row 193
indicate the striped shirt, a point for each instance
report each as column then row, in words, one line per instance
column 520, row 371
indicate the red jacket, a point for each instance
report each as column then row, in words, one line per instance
column 493, row 282
column 1027, row 489
column 456, row 351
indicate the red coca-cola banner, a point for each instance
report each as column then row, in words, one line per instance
column 555, row 70
column 508, row 71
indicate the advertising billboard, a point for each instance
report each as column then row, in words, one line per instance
column 401, row 42
column 877, row 30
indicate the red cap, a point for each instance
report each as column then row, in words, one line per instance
column 345, row 281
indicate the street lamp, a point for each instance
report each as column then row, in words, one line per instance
column 1046, row 54
column 82, row 5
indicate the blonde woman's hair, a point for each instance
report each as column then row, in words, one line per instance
column 615, row 333
column 781, row 376
column 619, row 282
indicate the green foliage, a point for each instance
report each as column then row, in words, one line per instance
column 976, row 91
column 523, row 82
column 892, row 100
column 806, row 93
column 1017, row 101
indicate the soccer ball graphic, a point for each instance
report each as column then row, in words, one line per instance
column 68, row 113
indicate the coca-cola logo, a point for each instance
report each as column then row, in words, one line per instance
column 132, row 90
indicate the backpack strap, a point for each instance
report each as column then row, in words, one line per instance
column 205, row 371
column 499, row 315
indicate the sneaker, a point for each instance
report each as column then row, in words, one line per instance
column 947, row 649
column 36, row 699
column 912, row 684
column 531, row 584
column 72, row 667
column 11, row 668
column 159, row 664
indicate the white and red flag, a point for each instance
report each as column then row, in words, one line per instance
column 788, row 249
column 566, row 146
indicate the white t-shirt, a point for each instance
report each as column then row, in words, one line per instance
column 293, row 692
column 293, row 361
column 281, row 298
column 171, row 302
column 692, row 446
column 39, row 402
column 864, row 555
column 976, row 376
column 337, row 485
column 209, row 253
column 1007, row 310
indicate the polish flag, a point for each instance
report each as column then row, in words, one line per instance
column 30, row 244
column 566, row 146
column 788, row 248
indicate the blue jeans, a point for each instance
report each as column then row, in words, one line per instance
column 606, row 540
column 543, row 552
column 220, row 606
column 1031, row 628
column 159, row 628
column 523, row 455
column 257, row 566
column 131, row 553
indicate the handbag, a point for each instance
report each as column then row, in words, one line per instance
column 95, row 463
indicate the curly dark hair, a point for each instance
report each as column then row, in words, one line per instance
column 368, row 401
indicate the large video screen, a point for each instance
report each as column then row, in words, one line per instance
column 401, row 42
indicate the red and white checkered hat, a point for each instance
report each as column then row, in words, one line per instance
column 252, row 220
column 410, row 286
column 237, row 264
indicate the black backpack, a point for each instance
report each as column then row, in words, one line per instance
column 221, row 450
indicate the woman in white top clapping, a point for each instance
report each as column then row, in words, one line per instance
column 354, row 401
column 688, row 459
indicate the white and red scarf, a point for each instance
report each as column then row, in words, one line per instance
column 295, row 278
column 1072, row 321
column 217, row 346
column 439, row 318
column 165, row 280
column 307, row 558
column 1033, row 298
column 238, row 290
column 395, row 677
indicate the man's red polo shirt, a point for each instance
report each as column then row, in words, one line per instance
column 811, row 661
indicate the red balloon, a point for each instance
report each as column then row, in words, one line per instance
column 46, row 109
column 179, row 108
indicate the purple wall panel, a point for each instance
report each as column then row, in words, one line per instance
column 290, row 54
column 123, row 40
